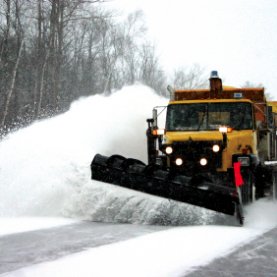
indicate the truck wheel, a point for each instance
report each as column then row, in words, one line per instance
column 274, row 185
column 239, row 214
column 248, row 188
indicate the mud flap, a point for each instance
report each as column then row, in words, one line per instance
column 242, row 191
column 197, row 190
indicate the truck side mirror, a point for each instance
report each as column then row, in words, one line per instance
column 269, row 117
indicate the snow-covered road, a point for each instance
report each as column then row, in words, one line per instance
column 256, row 259
column 22, row 249
column 104, row 249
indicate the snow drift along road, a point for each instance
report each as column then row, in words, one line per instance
column 44, row 168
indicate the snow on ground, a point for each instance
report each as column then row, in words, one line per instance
column 173, row 252
column 44, row 172
column 167, row 253
column 12, row 225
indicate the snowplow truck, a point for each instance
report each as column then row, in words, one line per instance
column 217, row 150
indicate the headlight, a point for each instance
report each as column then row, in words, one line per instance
column 179, row 161
column 223, row 129
column 203, row 161
column 216, row 148
column 244, row 161
column 168, row 150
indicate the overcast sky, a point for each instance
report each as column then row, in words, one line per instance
column 238, row 38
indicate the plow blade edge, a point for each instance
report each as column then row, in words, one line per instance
column 135, row 175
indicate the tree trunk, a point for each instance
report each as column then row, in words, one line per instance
column 7, row 33
column 10, row 92
column 41, row 86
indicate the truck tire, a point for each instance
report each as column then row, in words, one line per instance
column 274, row 184
column 248, row 188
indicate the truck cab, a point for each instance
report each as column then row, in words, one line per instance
column 206, row 134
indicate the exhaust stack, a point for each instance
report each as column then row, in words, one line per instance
column 215, row 85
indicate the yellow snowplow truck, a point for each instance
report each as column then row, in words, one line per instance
column 217, row 150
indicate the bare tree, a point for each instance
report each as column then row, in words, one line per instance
column 70, row 49
column 249, row 84
column 189, row 77
column 10, row 91
column 151, row 72
column 133, row 33
column 6, row 31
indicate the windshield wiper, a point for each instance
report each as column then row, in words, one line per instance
column 202, row 119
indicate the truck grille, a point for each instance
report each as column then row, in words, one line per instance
column 192, row 151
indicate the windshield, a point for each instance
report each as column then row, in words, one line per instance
column 209, row 116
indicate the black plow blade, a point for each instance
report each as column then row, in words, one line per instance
column 135, row 175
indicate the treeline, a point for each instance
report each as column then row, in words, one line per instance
column 54, row 51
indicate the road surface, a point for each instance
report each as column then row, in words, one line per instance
column 256, row 259
column 28, row 248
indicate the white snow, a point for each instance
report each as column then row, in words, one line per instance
column 174, row 252
column 45, row 168
column 167, row 253
column 12, row 225
column 44, row 173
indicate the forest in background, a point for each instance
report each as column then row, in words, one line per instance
column 53, row 52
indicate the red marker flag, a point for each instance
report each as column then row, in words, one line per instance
column 238, row 178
